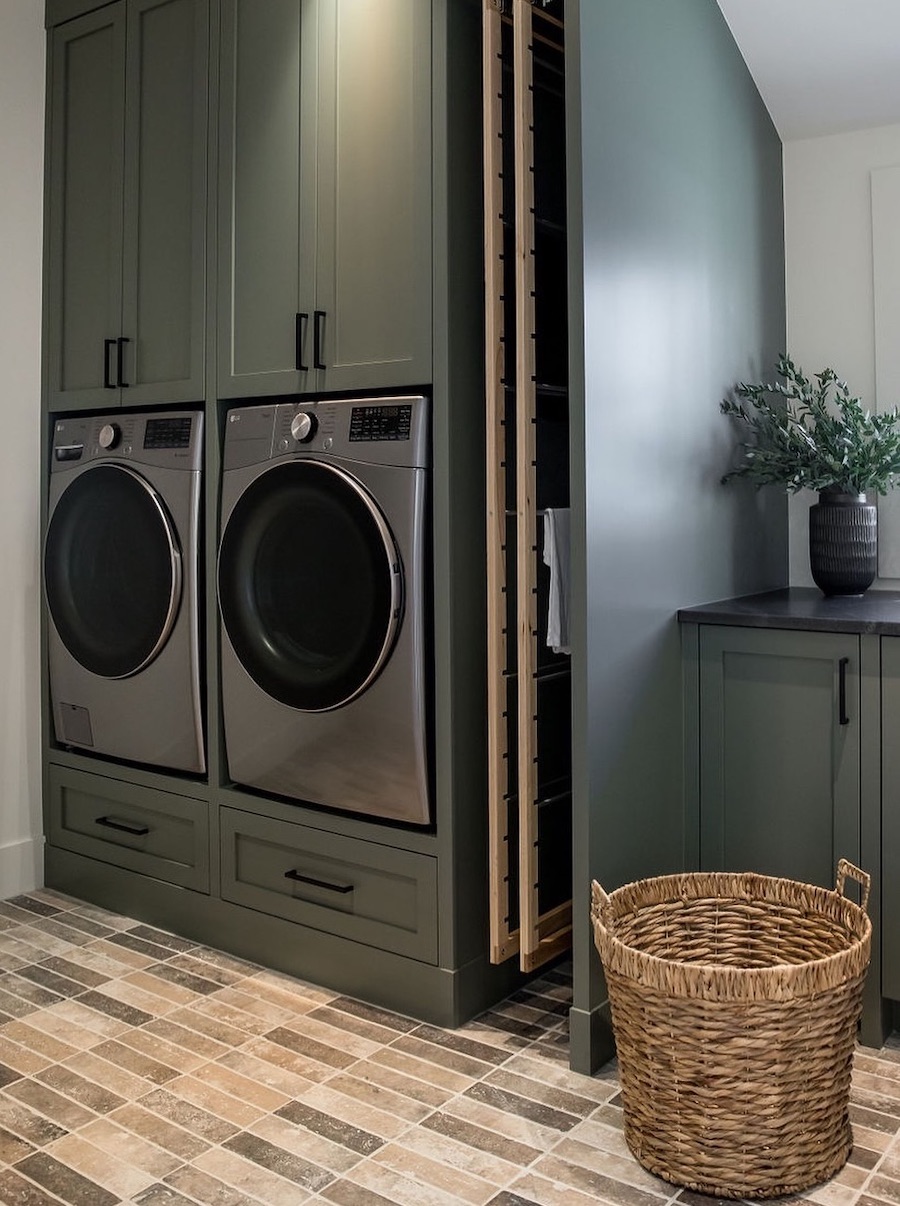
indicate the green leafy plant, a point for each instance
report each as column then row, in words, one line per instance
column 811, row 434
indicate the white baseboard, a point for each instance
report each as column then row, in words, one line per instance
column 21, row 867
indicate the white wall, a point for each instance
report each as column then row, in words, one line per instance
column 830, row 284
column 21, row 163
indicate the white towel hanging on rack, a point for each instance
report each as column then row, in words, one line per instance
column 556, row 556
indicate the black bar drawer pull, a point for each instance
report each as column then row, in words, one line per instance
column 120, row 361
column 318, row 883
column 108, row 382
column 132, row 827
column 319, row 318
column 300, row 322
column 843, row 718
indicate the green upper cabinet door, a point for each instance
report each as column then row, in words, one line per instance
column 779, row 751
column 127, row 205
column 324, row 210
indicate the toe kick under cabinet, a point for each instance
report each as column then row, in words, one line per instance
column 792, row 758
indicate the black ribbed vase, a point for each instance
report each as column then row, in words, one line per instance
column 843, row 543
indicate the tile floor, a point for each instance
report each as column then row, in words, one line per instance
column 137, row 1067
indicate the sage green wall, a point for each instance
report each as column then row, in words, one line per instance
column 677, row 256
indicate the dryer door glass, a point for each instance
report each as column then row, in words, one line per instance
column 112, row 571
column 310, row 585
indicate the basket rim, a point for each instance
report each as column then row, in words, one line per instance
column 715, row 981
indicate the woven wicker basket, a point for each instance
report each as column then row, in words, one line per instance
column 735, row 1001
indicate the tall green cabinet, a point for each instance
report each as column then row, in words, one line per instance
column 254, row 199
column 324, row 204
column 127, row 223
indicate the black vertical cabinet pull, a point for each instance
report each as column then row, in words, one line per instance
column 319, row 318
column 108, row 382
column 299, row 329
column 120, row 361
column 843, row 718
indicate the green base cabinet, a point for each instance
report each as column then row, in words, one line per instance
column 779, row 758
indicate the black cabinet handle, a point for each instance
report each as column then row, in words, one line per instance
column 120, row 361
column 319, row 318
column 299, row 330
column 843, row 718
column 132, row 827
column 108, row 382
column 318, row 883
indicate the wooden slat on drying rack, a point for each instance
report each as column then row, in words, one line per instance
column 503, row 942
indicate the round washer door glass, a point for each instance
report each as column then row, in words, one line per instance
column 310, row 585
column 112, row 571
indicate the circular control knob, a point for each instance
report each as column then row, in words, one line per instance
column 304, row 426
column 110, row 434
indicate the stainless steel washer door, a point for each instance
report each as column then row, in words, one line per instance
column 310, row 585
column 112, row 571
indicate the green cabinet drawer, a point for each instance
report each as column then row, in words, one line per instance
column 370, row 893
column 155, row 833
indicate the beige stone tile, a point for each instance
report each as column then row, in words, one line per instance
column 420, row 1091
column 334, row 1037
column 207, row 1028
column 109, row 1075
column 170, row 1054
column 578, row 1149
column 872, row 1140
column 211, row 1099
column 99, row 960
column 295, row 1062
column 164, row 990
column 16, row 952
column 138, row 996
column 237, row 997
column 199, row 1186
column 76, row 1024
column 174, row 1030
column 113, row 921
column 512, row 1126
column 45, row 941
column 244, row 1088
column 355, row 1112
column 124, row 956
column 832, row 1193
column 549, row 1072
column 106, row 1170
column 41, row 1099
column 457, row 1155
column 422, row 1069
column 130, row 1148
column 232, row 1016
column 21, row 1120
column 160, row 1131
column 21, row 1059
column 250, row 1178
column 264, row 1072
column 369, row 1093
column 428, row 1170
column 40, row 1041
column 300, row 991
column 404, row 1190
column 305, row 1143
column 535, row 1188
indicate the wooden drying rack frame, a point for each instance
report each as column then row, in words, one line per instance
column 539, row 937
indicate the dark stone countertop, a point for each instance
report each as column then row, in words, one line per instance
column 806, row 608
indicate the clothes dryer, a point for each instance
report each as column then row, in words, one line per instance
column 322, row 578
column 121, row 558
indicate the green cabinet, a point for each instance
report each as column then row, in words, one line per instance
column 127, row 205
column 890, row 816
column 779, row 751
column 324, row 196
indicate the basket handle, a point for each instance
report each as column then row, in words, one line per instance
column 598, row 896
column 863, row 878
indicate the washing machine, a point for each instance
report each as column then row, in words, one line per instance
column 121, row 562
column 321, row 582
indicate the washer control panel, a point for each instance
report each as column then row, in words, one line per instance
column 172, row 439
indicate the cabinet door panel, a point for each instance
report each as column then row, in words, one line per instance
column 85, row 187
column 779, row 789
column 373, row 266
column 259, row 196
column 165, row 200
column 890, row 816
